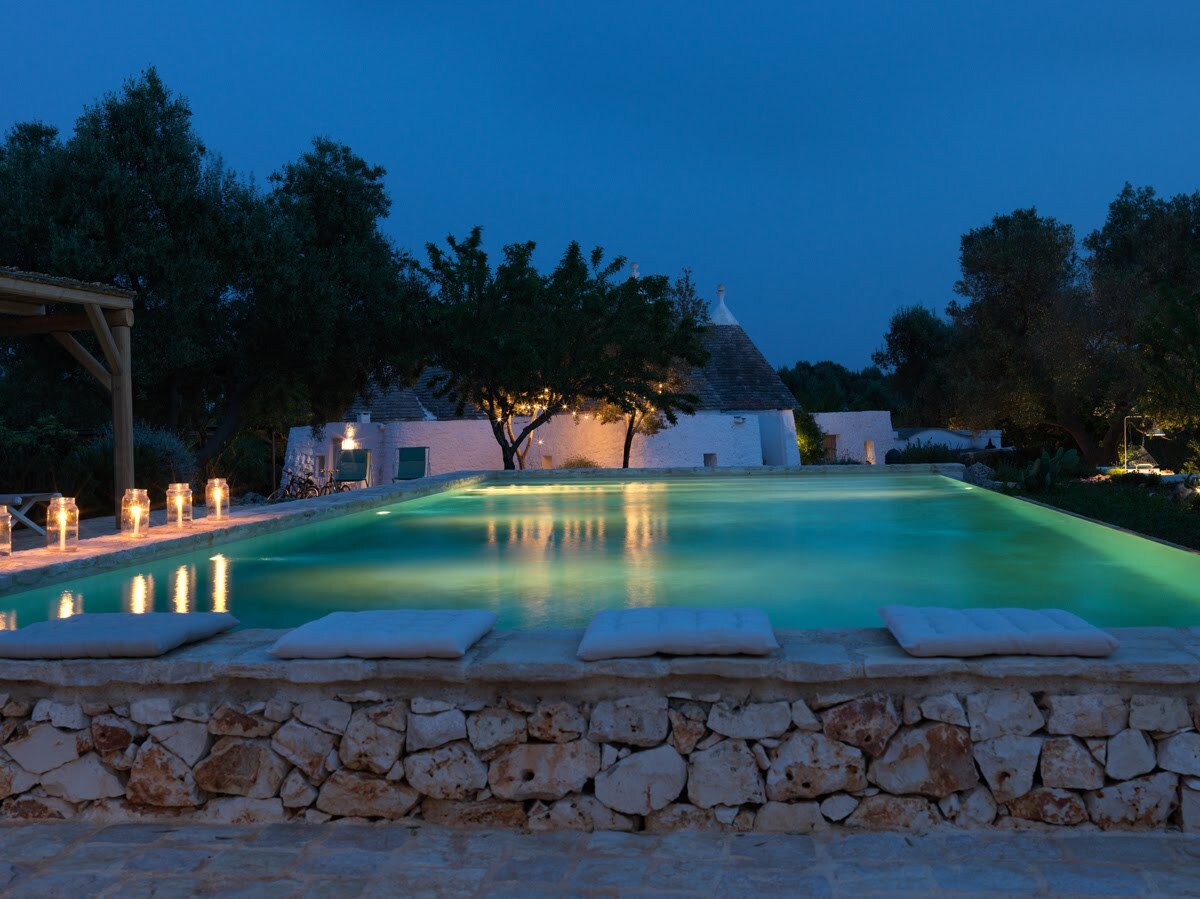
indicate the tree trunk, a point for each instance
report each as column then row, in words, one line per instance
column 508, row 454
column 227, row 427
column 1112, row 438
column 630, row 430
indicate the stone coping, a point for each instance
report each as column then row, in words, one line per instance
column 1163, row 656
column 30, row 568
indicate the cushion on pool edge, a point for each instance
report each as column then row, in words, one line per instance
column 387, row 634
column 112, row 635
column 633, row 633
column 936, row 631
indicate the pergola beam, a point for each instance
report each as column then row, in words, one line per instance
column 19, row 307
column 13, row 286
column 65, row 323
column 105, row 336
column 84, row 358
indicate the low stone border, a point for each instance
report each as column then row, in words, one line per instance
column 918, row 755
column 30, row 568
column 836, row 730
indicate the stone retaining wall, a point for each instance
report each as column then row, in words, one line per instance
column 668, row 759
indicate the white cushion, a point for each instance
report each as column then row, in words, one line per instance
column 630, row 633
column 938, row 631
column 387, row 634
column 111, row 635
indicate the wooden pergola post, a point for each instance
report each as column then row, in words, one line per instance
column 108, row 313
column 122, row 406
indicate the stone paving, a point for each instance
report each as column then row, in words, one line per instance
column 130, row 860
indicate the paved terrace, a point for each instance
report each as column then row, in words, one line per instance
column 132, row 860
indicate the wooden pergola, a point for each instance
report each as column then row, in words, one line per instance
column 62, row 307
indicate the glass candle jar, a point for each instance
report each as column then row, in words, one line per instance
column 62, row 525
column 135, row 513
column 179, row 505
column 216, row 499
column 5, row 533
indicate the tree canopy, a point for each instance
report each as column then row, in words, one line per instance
column 523, row 346
column 252, row 307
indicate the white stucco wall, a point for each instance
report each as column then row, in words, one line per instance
column 777, row 430
column 854, row 429
column 976, row 440
column 736, row 439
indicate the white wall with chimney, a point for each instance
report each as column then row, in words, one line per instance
column 738, row 439
column 862, row 436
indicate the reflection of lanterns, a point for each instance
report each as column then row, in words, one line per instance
column 141, row 594
column 216, row 498
column 8, row 620
column 135, row 513
column 182, row 588
column 62, row 525
column 5, row 532
column 179, row 505
column 220, row 583
column 70, row 604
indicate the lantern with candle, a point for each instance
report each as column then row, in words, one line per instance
column 5, row 533
column 62, row 525
column 216, row 499
column 179, row 505
column 135, row 513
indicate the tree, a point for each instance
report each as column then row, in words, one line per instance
column 319, row 266
column 1145, row 265
column 227, row 277
column 668, row 350
column 918, row 355
column 523, row 347
column 1037, row 349
column 831, row 387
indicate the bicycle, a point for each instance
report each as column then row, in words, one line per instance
column 330, row 485
column 298, row 486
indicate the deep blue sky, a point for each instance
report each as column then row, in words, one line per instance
column 820, row 159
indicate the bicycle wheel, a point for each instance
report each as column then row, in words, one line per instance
column 344, row 488
column 309, row 492
column 278, row 495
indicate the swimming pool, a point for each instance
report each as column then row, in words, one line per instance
column 819, row 551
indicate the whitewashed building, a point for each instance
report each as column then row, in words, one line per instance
column 867, row 437
column 743, row 419
column 955, row 438
column 858, row 436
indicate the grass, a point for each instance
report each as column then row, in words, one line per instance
column 1134, row 508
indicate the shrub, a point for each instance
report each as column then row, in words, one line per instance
column 1044, row 473
column 1122, row 478
column 245, row 463
column 1010, row 474
column 809, row 438
column 31, row 459
column 579, row 462
column 927, row 452
column 159, row 458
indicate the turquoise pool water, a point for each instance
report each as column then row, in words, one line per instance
column 822, row 551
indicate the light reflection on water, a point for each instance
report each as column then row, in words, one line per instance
column 814, row 552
